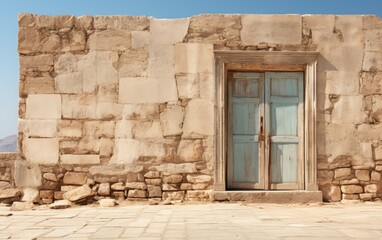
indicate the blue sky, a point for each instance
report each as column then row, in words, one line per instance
column 157, row 8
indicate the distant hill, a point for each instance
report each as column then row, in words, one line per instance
column 8, row 144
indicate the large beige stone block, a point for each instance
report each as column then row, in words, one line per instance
column 371, row 83
column 41, row 150
column 69, row 83
column 140, row 111
column 339, row 139
column 368, row 132
column 29, row 40
column 27, row 174
column 188, row 86
column 171, row 120
column 319, row 22
column 373, row 40
column 348, row 109
column 150, row 130
column 372, row 22
column 378, row 153
column 279, row 29
column 140, row 39
column 43, row 128
column 39, row 85
column 190, row 150
column 350, row 27
column 171, row 168
column 124, row 129
column 43, row 106
column 149, row 149
column 207, row 86
column 51, row 43
column 199, row 119
column 79, row 106
column 194, row 58
column 36, row 61
column 108, row 110
column 168, row 31
column 66, row 63
column 109, row 40
column 79, row 159
column 372, row 61
column 77, row 41
column 126, row 151
column 70, row 129
column 133, row 63
column 126, row 23
column 342, row 83
column 106, row 146
column 98, row 68
column 147, row 90
column 364, row 157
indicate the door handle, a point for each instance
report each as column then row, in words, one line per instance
column 261, row 133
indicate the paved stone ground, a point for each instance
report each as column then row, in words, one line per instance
column 197, row 221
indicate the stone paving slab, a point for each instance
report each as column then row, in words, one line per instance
column 197, row 221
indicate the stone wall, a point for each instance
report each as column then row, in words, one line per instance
column 124, row 106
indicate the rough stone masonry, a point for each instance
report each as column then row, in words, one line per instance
column 124, row 107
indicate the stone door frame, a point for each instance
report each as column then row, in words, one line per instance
column 305, row 61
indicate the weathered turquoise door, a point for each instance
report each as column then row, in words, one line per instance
column 265, row 130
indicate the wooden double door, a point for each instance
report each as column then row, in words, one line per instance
column 265, row 130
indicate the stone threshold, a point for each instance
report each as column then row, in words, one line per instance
column 290, row 196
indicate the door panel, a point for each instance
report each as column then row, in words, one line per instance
column 265, row 131
column 245, row 167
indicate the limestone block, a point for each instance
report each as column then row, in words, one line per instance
column 30, row 195
column 51, row 43
column 154, row 191
column 79, row 106
column 152, row 174
column 190, row 150
column 371, row 188
column 371, row 22
column 350, row 27
column 126, row 23
column 136, row 185
column 171, row 120
column 133, row 63
column 194, row 58
column 43, row 106
column 109, row 40
column 70, row 128
column 188, row 86
column 26, row 19
column 104, row 189
column 108, row 110
column 373, row 42
column 137, row 193
column 171, row 168
column 105, row 129
column 77, row 41
column 124, row 129
column 178, row 195
column 348, row 109
column 140, row 39
column 107, row 202
column 351, row 189
column 206, row 86
column 378, row 153
column 199, row 119
column 366, row 196
column 186, row 186
column 371, row 83
column 335, row 194
column 66, row 63
column 176, row 178
column 168, row 31
column 84, row 22
column 4, row 185
column 198, row 178
column 29, row 40
column 342, row 173
column 147, row 90
column 75, row 178
column 154, row 181
column 169, row 187
column 98, row 68
column 65, row 188
column 36, row 61
column 119, row 186
column 125, row 151
column 362, row 175
column 161, row 62
column 43, row 21
column 364, row 157
column 377, row 107
column 21, row 206
column 78, row 193
column 41, row 150
column 215, row 28
column 339, row 140
column 367, row 132
column 199, row 186
column 60, row 204
column 27, row 175
column 372, row 61
column 375, row 176
column 50, row 177
column 349, row 182
column 342, row 83
column 148, row 130
column 10, row 193
column 88, row 145
column 148, row 149
column 65, row 21
column 278, row 29
column 41, row 128
column 319, row 22
column 38, row 85
column 106, row 146
column 141, row 111
column 80, row 159
column 107, row 93
column 69, row 83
